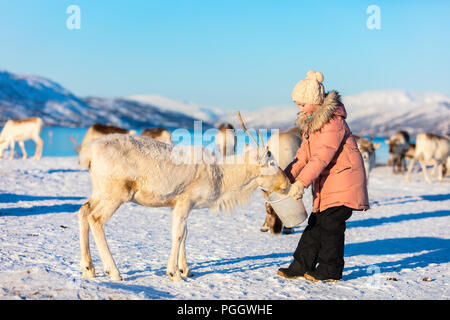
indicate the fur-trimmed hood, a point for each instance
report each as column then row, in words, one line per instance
column 331, row 106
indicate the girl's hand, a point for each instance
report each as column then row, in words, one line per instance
column 296, row 190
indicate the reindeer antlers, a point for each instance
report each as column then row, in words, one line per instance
column 260, row 138
column 77, row 147
column 257, row 131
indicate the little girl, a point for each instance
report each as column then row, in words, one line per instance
column 330, row 161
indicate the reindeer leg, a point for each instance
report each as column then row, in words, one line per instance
column 24, row 152
column 440, row 174
column 86, row 260
column 97, row 220
column 402, row 164
column 11, row 149
column 266, row 225
column 424, row 169
column 433, row 171
column 39, row 143
column 410, row 168
column 179, row 216
column 182, row 262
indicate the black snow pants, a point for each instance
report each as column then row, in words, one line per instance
column 322, row 242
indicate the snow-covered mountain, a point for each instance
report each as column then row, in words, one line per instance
column 372, row 111
column 24, row 96
column 130, row 113
column 410, row 111
column 204, row 113
column 273, row 117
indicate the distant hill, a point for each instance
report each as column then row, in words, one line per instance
column 23, row 96
column 129, row 113
column 208, row 114
column 411, row 111
column 372, row 112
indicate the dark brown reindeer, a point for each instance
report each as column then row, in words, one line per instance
column 398, row 148
column 99, row 130
column 160, row 134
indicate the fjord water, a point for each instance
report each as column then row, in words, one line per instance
column 57, row 141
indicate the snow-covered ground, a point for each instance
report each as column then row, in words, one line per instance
column 389, row 249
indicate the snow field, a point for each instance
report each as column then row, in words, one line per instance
column 389, row 249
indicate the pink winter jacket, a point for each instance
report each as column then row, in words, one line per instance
column 329, row 159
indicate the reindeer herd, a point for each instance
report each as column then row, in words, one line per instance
column 429, row 149
column 127, row 168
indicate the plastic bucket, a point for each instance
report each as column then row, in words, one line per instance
column 290, row 211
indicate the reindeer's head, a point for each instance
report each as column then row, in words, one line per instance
column 398, row 143
column 368, row 151
column 367, row 147
column 271, row 177
column 392, row 144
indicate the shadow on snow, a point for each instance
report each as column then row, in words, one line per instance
column 148, row 292
column 372, row 222
column 13, row 198
column 438, row 251
column 64, row 170
column 406, row 199
column 58, row 208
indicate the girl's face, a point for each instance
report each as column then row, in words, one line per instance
column 301, row 106
column 306, row 108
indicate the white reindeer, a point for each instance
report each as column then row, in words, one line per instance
column 126, row 168
column 20, row 131
column 430, row 148
column 445, row 164
column 284, row 146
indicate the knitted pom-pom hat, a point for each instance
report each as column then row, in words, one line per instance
column 309, row 90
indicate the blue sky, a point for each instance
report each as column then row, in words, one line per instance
column 228, row 54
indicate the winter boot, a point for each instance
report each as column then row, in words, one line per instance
column 294, row 271
column 316, row 276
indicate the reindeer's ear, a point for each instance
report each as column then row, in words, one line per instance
column 376, row 145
